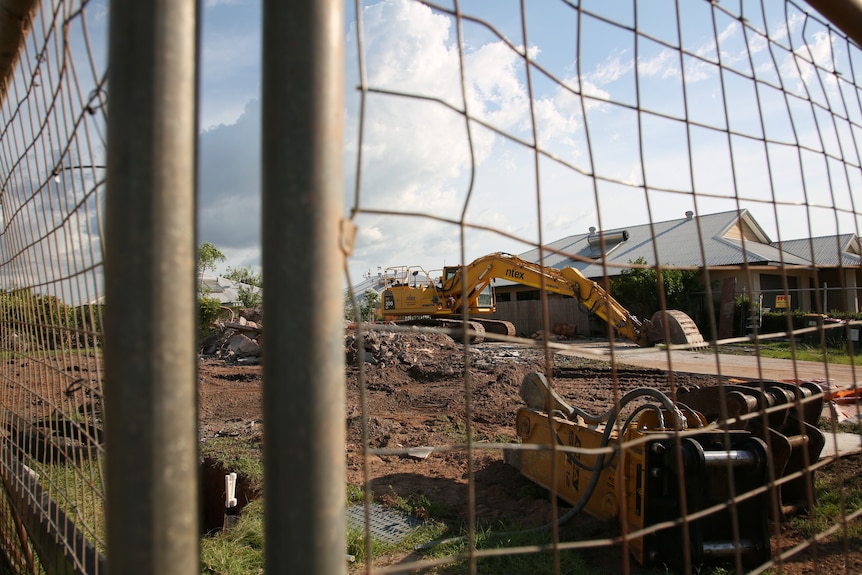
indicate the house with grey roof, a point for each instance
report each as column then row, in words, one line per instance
column 369, row 281
column 224, row 290
column 729, row 249
column 838, row 260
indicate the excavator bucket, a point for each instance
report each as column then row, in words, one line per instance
column 678, row 325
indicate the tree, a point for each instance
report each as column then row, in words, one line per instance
column 36, row 319
column 244, row 276
column 208, row 258
column 249, row 286
column 367, row 305
column 637, row 289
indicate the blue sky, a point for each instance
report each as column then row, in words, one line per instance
column 416, row 157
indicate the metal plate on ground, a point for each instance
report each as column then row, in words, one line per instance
column 384, row 523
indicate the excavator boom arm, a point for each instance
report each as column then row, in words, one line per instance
column 466, row 288
column 568, row 281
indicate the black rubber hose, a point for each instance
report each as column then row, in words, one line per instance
column 610, row 417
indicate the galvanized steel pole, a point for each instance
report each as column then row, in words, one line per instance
column 303, row 357
column 846, row 15
column 150, row 383
column 15, row 22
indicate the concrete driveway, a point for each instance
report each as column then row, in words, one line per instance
column 742, row 366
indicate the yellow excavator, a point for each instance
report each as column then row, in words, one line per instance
column 409, row 291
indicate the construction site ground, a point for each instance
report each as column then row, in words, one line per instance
column 415, row 396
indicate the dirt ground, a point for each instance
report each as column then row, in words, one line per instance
column 416, row 396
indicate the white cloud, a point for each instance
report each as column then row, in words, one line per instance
column 229, row 206
column 416, row 154
column 230, row 59
column 808, row 69
column 663, row 65
column 612, row 69
column 728, row 32
column 371, row 234
column 495, row 91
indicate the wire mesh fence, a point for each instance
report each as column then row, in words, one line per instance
column 698, row 157
column 53, row 185
column 698, row 160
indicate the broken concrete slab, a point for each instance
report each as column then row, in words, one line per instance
column 243, row 346
column 842, row 444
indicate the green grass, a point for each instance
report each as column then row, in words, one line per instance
column 844, row 427
column 355, row 494
column 418, row 506
column 783, row 350
column 77, row 489
column 239, row 550
column 237, row 454
column 451, row 426
column 537, row 562
column 836, row 494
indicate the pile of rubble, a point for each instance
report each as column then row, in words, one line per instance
column 237, row 338
column 390, row 348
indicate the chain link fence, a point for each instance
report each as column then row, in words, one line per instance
column 558, row 131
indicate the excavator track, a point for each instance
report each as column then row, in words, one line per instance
column 680, row 327
column 496, row 326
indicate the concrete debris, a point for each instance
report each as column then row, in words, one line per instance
column 237, row 339
column 420, row 452
column 394, row 348
column 841, row 445
column 842, row 413
column 241, row 346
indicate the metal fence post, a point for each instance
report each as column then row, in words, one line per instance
column 303, row 366
column 15, row 17
column 150, row 383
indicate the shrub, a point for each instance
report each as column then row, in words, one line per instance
column 210, row 308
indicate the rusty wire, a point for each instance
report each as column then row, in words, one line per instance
column 52, row 179
column 52, row 186
column 774, row 57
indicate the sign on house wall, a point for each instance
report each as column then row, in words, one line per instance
column 782, row 301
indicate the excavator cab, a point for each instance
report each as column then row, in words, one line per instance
column 485, row 300
column 449, row 275
column 482, row 302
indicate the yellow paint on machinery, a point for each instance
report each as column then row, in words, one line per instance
column 459, row 290
column 670, row 460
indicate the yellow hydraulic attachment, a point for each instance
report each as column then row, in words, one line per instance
column 410, row 291
column 666, row 460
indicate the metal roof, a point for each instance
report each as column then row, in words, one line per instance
column 711, row 240
column 825, row 251
column 223, row 289
column 692, row 241
column 368, row 282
